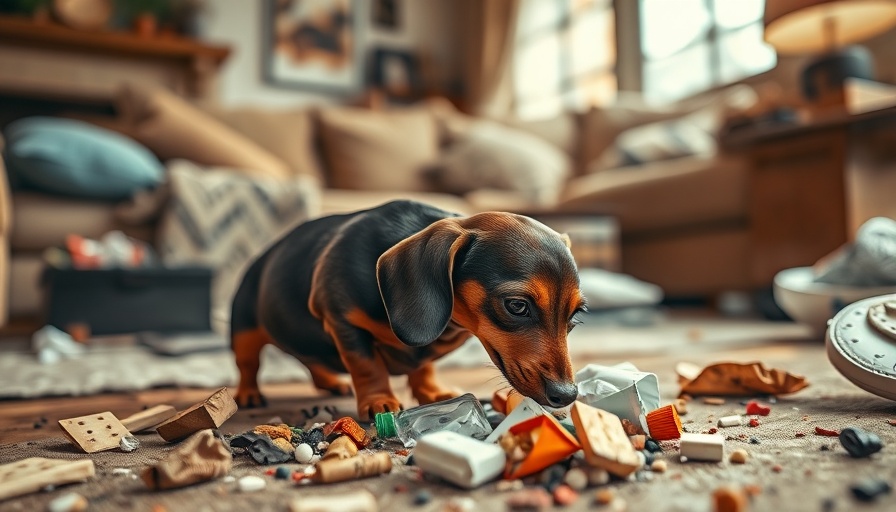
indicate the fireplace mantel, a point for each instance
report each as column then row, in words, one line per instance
column 45, row 59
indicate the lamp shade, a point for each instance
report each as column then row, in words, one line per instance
column 813, row 26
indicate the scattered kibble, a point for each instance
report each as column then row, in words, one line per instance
column 638, row 441
column 604, row 496
column 711, row 400
column 739, row 456
column 870, row 488
column 251, row 483
column 753, row 422
column 283, row 473
column 659, row 466
column 712, row 430
column 800, row 434
column 754, row 408
column 71, row 502
column 564, row 495
column 777, row 468
column 598, row 476
column 754, row 440
column 577, row 479
column 681, row 406
column 730, row 499
column 825, row 432
column 400, row 488
column 860, row 443
column 304, row 453
column 892, row 422
column 422, row 497
column 652, row 446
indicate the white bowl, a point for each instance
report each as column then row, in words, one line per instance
column 813, row 304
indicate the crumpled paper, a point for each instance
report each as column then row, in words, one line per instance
column 737, row 379
column 868, row 261
column 621, row 389
column 201, row 457
column 52, row 344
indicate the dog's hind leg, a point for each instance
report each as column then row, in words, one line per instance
column 328, row 380
column 247, row 347
column 425, row 388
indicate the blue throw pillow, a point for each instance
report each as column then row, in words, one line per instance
column 78, row 159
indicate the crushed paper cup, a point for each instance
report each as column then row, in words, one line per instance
column 621, row 389
column 737, row 379
column 554, row 444
column 527, row 409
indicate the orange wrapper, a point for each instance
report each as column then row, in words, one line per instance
column 553, row 445
column 350, row 428
column 664, row 423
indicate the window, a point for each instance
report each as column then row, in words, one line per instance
column 565, row 56
column 689, row 46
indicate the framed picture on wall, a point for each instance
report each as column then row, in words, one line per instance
column 312, row 44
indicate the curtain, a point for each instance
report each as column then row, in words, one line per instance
column 488, row 33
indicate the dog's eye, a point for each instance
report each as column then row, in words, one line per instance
column 517, row 307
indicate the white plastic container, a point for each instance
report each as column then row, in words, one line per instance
column 461, row 460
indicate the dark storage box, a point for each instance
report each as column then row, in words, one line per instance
column 124, row 300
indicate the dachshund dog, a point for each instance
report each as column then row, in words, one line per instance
column 391, row 289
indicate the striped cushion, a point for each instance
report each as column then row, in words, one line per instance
column 693, row 134
column 223, row 218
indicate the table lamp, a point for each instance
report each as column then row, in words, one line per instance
column 828, row 30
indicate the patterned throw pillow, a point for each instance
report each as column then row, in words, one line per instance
column 222, row 218
column 690, row 135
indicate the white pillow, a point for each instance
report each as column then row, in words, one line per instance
column 491, row 155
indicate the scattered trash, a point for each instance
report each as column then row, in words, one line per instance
column 128, row 444
column 800, row 434
column 208, row 414
column 251, row 483
column 622, row 390
column 351, row 501
column 359, row 466
column 737, row 379
column 463, row 414
column 552, row 476
column 777, row 468
column 274, row 431
column 739, row 456
column 303, row 453
column 261, row 448
column 509, row 485
column 148, row 418
column 422, row 497
column 652, row 446
column 730, row 499
column 731, row 421
column 681, row 406
column 597, row 476
column 201, row 457
column 460, row 504
column 524, row 410
column 536, row 444
column 461, row 460
column 350, row 428
column 664, row 423
column 577, row 479
column 53, row 345
column 714, row 401
column 825, row 432
column 284, row 445
column 530, row 499
column 70, row 502
column 283, row 473
column 860, row 443
column 94, row 432
column 754, row 408
column 604, row 496
column 870, row 488
column 564, row 495
column 659, row 466
column 342, row 447
column 891, row 422
column 121, row 471
column 753, row 422
column 604, row 441
column 705, row 447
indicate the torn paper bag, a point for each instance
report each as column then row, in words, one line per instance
column 620, row 389
column 737, row 379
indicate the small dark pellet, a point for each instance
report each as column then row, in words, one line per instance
column 870, row 489
column 828, row 505
column 648, row 457
column 652, row 446
column 860, row 443
column 753, row 440
column 282, row 473
column 422, row 497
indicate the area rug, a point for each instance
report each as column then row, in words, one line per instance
column 122, row 366
column 789, row 466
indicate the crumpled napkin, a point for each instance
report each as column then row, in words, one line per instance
column 621, row 389
column 869, row 261
column 201, row 457
column 737, row 379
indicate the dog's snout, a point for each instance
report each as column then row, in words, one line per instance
column 560, row 394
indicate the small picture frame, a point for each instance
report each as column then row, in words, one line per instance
column 396, row 73
column 312, row 45
column 386, row 14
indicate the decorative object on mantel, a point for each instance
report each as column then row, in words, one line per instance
column 312, row 45
column 396, row 73
column 83, row 14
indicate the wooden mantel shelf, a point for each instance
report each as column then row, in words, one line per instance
column 24, row 31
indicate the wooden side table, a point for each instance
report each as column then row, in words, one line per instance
column 813, row 183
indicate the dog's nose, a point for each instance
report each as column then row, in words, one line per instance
column 560, row 394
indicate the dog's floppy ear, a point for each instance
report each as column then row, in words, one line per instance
column 414, row 278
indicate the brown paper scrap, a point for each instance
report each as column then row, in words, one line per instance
column 737, row 379
column 201, row 457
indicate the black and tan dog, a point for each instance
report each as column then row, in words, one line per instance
column 389, row 290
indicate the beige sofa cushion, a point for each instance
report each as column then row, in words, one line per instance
column 675, row 193
column 173, row 128
column 287, row 134
column 378, row 150
column 41, row 221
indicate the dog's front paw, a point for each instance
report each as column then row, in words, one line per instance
column 432, row 395
column 370, row 405
column 249, row 397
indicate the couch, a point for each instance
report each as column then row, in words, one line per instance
column 683, row 221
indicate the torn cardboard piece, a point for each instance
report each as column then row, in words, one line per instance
column 148, row 418
column 604, row 441
column 30, row 475
column 209, row 414
column 621, row 389
column 525, row 410
column 535, row 444
column 201, row 457
column 360, row 466
column 94, row 432
column 737, row 379
column 461, row 460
